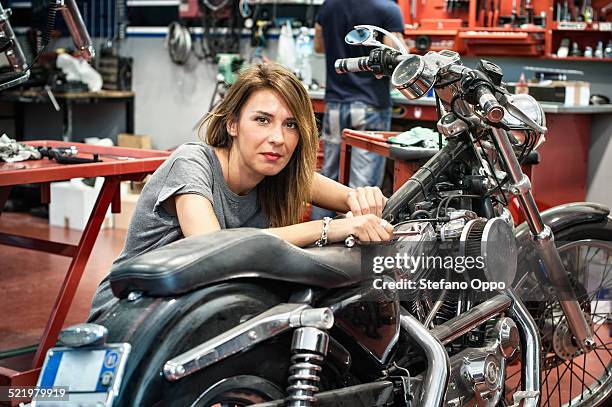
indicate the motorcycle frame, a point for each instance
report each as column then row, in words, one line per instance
column 449, row 77
column 544, row 240
column 520, row 186
column 283, row 317
column 435, row 378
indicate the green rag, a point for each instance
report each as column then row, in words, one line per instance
column 417, row 137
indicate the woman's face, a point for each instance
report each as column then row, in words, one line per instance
column 266, row 133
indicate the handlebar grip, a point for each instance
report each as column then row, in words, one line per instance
column 344, row 65
column 494, row 112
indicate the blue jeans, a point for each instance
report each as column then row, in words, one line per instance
column 367, row 168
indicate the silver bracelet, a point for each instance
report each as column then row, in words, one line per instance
column 323, row 240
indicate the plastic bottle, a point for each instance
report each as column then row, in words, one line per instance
column 304, row 45
column 521, row 85
column 599, row 51
column 608, row 50
column 286, row 47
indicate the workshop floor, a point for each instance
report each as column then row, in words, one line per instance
column 31, row 280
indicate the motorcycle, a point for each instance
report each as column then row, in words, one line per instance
column 240, row 317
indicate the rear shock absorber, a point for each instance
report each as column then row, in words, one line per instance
column 309, row 348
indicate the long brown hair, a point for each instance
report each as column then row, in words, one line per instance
column 282, row 196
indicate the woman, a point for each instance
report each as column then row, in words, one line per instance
column 256, row 169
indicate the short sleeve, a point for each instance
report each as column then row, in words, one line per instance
column 187, row 176
column 393, row 20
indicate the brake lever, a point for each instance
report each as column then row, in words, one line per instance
column 515, row 111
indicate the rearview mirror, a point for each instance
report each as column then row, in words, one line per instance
column 365, row 35
column 358, row 36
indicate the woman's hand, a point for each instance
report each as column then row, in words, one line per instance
column 366, row 200
column 366, row 228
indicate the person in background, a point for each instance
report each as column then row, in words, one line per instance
column 357, row 101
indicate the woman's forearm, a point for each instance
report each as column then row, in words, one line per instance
column 304, row 234
column 301, row 234
column 330, row 194
column 366, row 228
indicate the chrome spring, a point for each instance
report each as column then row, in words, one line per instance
column 54, row 6
column 304, row 379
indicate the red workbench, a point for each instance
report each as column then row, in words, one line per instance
column 374, row 142
column 118, row 164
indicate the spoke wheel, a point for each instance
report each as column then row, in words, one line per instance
column 571, row 377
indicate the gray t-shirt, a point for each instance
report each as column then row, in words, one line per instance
column 192, row 169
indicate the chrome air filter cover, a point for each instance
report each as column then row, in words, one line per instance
column 494, row 240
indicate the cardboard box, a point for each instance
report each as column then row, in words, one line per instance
column 134, row 141
column 128, row 204
column 570, row 93
column 577, row 93
column 72, row 202
column 135, row 187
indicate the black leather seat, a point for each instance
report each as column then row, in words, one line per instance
column 197, row 261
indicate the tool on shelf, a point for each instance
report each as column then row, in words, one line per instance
column 555, row 74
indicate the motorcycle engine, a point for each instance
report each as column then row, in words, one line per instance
column 492, row 239
column 416, row 239
column 478, row 359
column 470, row 236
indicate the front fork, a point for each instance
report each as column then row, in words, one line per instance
column 545, row 243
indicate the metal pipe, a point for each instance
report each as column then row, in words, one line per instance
column 14, row 55
column 262, row 327
column 530, row 350
column 531, row 212
column 436, row 377
column 576, row 319
column 423, row 179
column 434, row 311
column 437, row 305
column 544, row 240
column 518, row 178
column 76, row 26
column 464, row 323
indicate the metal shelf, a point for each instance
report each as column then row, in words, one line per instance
column 556, row 58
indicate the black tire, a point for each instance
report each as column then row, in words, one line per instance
column 267, row 362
